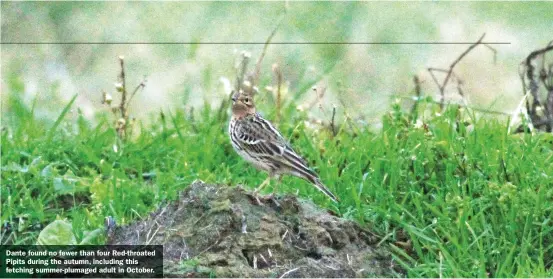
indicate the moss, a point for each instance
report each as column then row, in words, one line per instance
column 220, row 231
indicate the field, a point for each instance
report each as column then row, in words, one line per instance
column 452, row 192
column 451, row 200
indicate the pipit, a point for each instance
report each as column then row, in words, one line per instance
column 257, row 141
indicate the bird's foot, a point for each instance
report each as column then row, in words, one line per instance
column 261, row 199
column 272, row 197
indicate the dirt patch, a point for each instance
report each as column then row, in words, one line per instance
column 216, row 230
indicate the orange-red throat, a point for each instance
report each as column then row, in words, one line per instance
column 242, row 105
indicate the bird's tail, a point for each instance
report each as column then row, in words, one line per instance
column 312, row 177
column 299, row 168
column 321, row 187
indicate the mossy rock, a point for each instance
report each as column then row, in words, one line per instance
column 217, row 230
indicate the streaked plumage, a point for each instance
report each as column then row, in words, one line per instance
column 259, row 142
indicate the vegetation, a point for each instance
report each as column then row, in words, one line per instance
column 454, row 194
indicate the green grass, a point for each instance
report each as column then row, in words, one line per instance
column 472, row 202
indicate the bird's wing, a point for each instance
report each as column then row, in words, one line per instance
column 262, row 138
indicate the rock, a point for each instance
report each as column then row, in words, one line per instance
column 217, row 230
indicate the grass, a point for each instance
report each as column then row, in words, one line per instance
column 449, row 200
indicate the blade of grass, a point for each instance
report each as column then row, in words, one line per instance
column 60, row 118
column 177, row 128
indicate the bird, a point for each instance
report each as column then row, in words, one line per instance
column 257, row 141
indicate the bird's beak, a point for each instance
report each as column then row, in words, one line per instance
column 234, row 97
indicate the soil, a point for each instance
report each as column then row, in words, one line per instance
column 221, row 231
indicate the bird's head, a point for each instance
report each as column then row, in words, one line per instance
column 242, row 104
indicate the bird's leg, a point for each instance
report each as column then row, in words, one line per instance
column 255, row 194
column 278, row 179
column 272, row 196
column 262, row 185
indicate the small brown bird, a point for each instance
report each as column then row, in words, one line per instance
column 259, row 142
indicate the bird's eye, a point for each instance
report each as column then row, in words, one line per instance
column 247, row 100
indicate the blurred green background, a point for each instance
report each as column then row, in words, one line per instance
column 366, row 76
column 460, row 194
